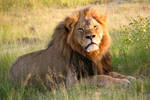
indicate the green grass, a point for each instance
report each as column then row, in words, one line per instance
column 130, row 56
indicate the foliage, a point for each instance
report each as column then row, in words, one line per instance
column 137, row 33
column 134, row 46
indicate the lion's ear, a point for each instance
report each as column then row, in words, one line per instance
column 103, row 19
column 70, row 22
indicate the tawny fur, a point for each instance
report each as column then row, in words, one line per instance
column 65, row 60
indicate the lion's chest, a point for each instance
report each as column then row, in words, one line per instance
column 82, row 66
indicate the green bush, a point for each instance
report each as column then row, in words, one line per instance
column 134, row 47
column 137, row 33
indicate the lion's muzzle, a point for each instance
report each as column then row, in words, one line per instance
column 92, row 42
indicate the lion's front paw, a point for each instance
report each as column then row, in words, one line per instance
column 131, row 78
column 124, row 82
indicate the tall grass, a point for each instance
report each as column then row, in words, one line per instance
column 7, row 4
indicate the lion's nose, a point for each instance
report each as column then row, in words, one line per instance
column 90, row 36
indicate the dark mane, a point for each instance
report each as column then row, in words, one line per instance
column 59, row 32
column 84, row 67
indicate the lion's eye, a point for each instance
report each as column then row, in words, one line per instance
column 95, row 27
column 80, row 30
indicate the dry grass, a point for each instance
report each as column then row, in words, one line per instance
column 6, row 5
column 40, row 23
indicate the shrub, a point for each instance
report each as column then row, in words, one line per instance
column 134, row 46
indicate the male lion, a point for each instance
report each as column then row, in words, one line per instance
column 77, row 52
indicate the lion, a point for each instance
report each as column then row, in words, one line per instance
column 78, row 52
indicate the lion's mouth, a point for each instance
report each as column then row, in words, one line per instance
column 91, row 47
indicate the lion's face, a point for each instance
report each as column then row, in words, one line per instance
column 88, row 33
column 86, row 30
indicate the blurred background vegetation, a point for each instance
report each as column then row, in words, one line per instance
column 8, row 4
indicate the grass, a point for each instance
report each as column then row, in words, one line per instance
column 24, row 30
column 6, row 5
column 9, row 4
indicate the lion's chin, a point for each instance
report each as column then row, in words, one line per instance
column 92, row 47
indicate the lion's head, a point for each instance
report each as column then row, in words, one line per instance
column 85, row 32
column 86, row 29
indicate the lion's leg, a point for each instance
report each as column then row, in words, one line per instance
column 117, row 75
column 71, row 79
column 97, row 80
column 120, row 76
column 26, row 81
column 104, row 80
